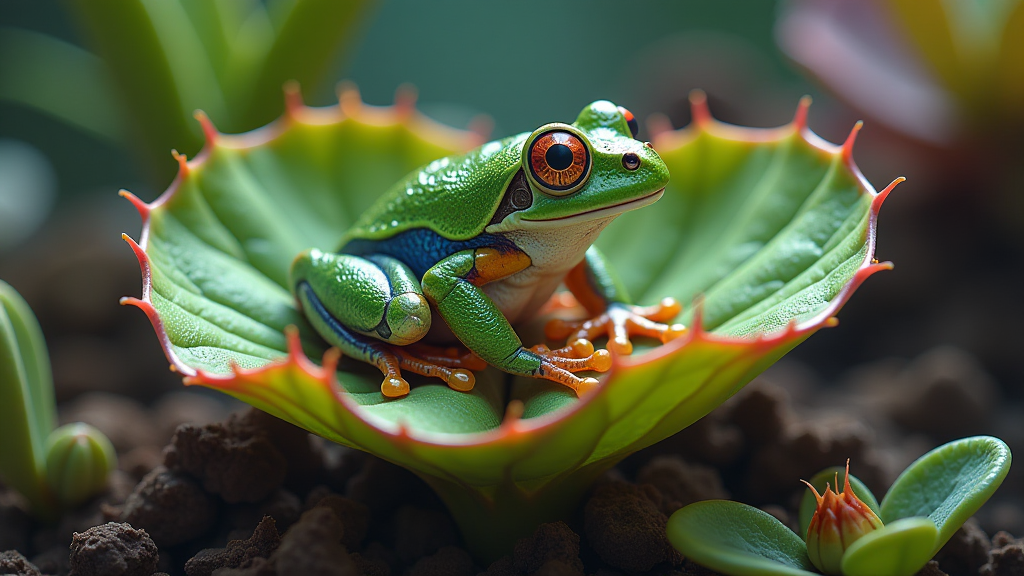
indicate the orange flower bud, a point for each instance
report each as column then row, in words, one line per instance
column 837, row 523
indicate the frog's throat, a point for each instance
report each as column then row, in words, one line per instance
column 606, row 212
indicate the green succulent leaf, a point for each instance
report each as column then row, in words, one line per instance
column 774, row 227
column 78, row 459
column 59, row 79
column 228, row 58
column 973, row 48
column 27, row 410
column 898, row 549
column 828, row 476
column 949, row 484
column 738, row 540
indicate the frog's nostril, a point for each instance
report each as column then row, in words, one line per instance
column 630, row 161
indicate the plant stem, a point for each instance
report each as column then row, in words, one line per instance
column 492, row 519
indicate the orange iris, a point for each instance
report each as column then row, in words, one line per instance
column 559, row 160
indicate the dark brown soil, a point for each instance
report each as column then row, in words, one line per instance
column 253, row 496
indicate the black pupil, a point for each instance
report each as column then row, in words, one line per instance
column 559, row 157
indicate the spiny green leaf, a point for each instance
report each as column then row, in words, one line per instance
column 217, row 246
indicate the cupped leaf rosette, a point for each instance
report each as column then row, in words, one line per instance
column 772, row 230
column 924, row 507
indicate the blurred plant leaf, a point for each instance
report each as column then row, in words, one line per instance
column 169, row 58
column 973, row 47
column 27, row 409
column 60, row 79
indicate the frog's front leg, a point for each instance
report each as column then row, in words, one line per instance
column 373, row 309
column 598, row 289
column 453, row 286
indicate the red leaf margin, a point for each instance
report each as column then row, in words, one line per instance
column 512, row 430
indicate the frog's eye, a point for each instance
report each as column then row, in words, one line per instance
column 634, row 127
column 559, row 162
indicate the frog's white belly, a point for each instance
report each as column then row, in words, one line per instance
column 553, row 252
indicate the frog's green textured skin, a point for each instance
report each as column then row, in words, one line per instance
column 482, row 240
column 456, row 196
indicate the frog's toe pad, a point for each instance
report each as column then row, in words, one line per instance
column 394, row 387
column 619, row 322
column 392, row 360
column 461, row 380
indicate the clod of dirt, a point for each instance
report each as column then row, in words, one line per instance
column 681, row 483
column 500, row 567
column 302, row 451
column 1006, row 557
column 15, row 521
column 283, row 506
column 183, row 407
column 375, row 560
column 13, row 563
column 931, row 569
column 944, row 393
column 806, row 447
column 713, row 439
column 385, row 487
column 552, row 542
column 626, row 528
column 354, row 516
column 140, row 460
column 966, row 551
column 171, row 506
column 341, row 464
column 312, row 547
column 420, row 532
column 113, row 550
column 234, row 459
column 239, row 553
column 258, row 567
column 448, row 561
column 103, row 508
column 762, row 413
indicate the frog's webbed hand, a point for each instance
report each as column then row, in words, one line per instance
column 599, row 291
column 453, row 286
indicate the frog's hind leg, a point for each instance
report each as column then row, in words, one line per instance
column 371, row 308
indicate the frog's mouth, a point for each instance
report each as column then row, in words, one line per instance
column 606, row 212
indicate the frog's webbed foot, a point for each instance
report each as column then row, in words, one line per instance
column 447, row 364
column 559, row 365
column 621, row 321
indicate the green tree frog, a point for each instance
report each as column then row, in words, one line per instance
column 481, row 242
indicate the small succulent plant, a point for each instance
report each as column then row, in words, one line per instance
column 53, row 469
column 847, row 533
column 770, row 230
